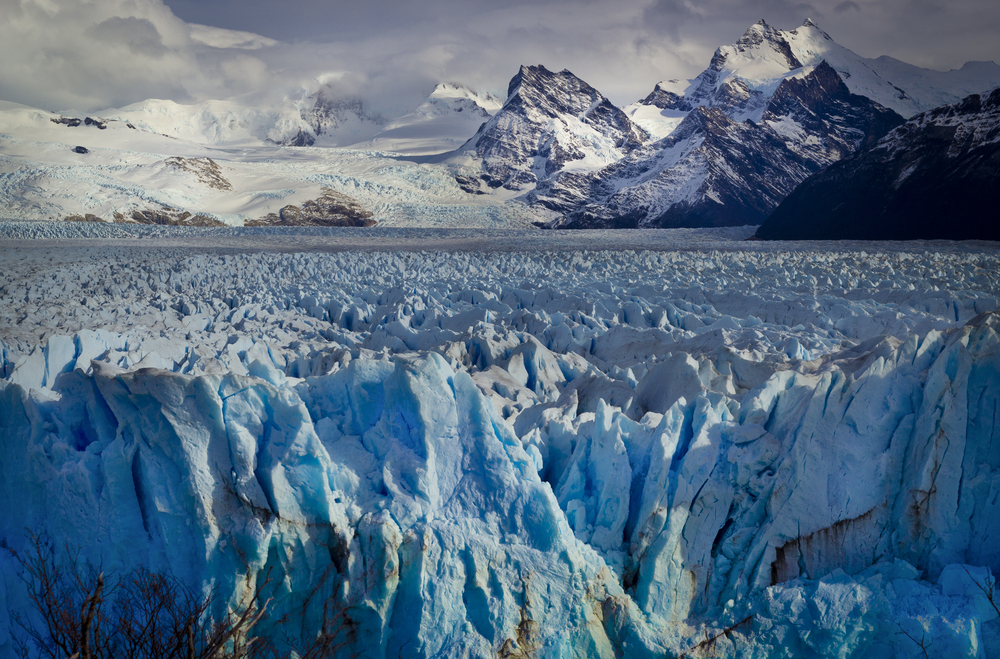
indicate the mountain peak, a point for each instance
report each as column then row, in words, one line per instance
column 530, row 74
column 809, row 23
column 549, row 122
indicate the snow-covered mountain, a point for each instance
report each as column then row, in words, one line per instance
column 310, row 116
column 550, row 122
column 717, row 170
column 55, row 166
column 742, row 76
column 442, row 123
column 722, row 149
column 933, row 177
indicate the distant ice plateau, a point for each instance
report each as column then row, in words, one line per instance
column 570, row 449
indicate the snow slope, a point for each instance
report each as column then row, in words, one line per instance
column 444, row 122
column 311, row 115
column 315, row 115
column 563, row 453
column 742, row 76
column 127, row 169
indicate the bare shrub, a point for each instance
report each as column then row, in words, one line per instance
column 143, row 615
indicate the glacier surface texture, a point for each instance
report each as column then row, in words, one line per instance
column 744, row 451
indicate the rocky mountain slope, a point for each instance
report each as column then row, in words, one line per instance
column 550, row 122
column 330, row 209
column 716, row 170
column 769, row 111
column 933, row 177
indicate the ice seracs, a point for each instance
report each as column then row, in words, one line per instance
column 575, row 453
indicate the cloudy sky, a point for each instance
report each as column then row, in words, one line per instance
column 93, row 54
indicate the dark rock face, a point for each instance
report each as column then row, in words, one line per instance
column 301, row 138
column 542, row 125
column 331, row 209
column 663, row 99
column 838, row 121
column 206, row 170
column 327, row 114
column 73, row 122
column 936, row 176
column 714, row 171
column 81, row 149
column 165, row 216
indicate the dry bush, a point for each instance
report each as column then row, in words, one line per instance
column 143, row 615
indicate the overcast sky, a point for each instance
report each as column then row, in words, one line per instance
column 92, row 54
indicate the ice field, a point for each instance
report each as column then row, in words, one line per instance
column 489, row 443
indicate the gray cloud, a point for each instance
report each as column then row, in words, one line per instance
column 847, row 5
column 139, row 35
column 62, row 54
column 99, row 53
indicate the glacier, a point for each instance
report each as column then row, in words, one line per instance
column 717, row 448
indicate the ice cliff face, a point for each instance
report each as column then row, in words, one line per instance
column 788, row 452
column 933, row 177
column 550, row 122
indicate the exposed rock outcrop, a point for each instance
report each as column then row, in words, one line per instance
column 206, row 170
column 933, row 177
column 330, row 209
column 166, row 216
column 550, row 122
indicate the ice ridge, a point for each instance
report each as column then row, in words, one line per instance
column 620, row 459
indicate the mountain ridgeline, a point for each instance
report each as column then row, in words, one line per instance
column 933, row 177
column 716, row 171
column 550, row 122
column 770, row 111
column 783, row 122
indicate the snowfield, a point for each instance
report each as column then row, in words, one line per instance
column 43, row 177
column 516, row 443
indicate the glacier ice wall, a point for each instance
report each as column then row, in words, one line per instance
column 756, row 453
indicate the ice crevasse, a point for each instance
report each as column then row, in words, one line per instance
column 834, row 511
